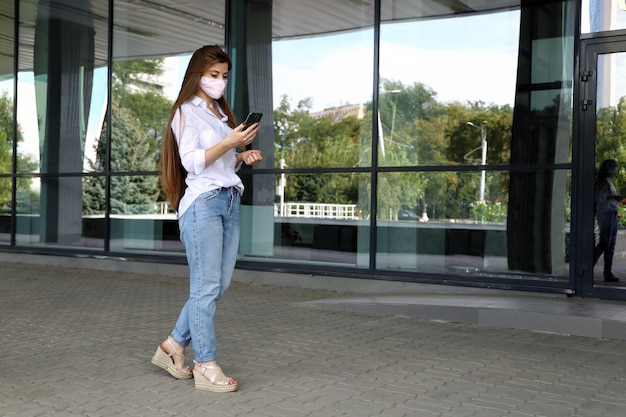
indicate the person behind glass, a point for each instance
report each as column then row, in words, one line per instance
column 199, row 165
column 607, row 203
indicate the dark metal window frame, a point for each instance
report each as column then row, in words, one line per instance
column 285, row 266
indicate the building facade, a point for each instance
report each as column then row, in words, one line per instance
column 410, row 140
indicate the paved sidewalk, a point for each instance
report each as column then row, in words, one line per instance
column 78, row 342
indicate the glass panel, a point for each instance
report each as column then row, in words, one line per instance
column 318, row 218
column 27, row 119
column 439, row 225
column 603, row 15
column 36, row 227
column 136, row 216
column 141, row 109
column 6, row 135
column 7, row 79
column 28, row 222
column 61, row 47
column 424, row 108
column 610, row 145
column 148, row 65
column 324, row 123
column 69, row 92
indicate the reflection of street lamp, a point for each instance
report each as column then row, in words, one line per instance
column 281, row 187
column 483, row 160
column 393, row 116
column 393, row 120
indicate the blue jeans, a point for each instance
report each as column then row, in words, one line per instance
column 209, row 229
column 608, row 237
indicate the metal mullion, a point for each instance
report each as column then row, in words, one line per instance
column 374, row 146
column 109, row 120
column 16, row 43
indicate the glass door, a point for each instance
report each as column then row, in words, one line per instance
column 602, row 195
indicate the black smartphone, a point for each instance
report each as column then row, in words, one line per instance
column 252, row 118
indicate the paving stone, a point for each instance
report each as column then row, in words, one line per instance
column 79, row 342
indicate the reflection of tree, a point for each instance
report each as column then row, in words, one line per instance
column 426, row 133
column 135, row 88
column 6, row 146
column 305, row 142
column 27, row 200
column 140, row 114
column 129, row 152
column 611, row 139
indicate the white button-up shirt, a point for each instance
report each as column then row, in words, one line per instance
column 195, row 129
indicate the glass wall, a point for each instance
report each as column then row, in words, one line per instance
column 453, row 116
column 400, row 137
column 445, row 125
column 148, row 63
column 87, row 175
column 443, row 119
column 57, row 100
column 322, row 84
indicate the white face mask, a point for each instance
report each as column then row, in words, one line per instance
column 213, row 87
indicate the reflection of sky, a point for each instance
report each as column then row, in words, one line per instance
column 461, row 58
column 97, row 113
column 596, row 17
column 26, row 114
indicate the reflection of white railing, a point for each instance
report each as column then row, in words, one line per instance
column 302, row 210
column 162, row 207
column 315, row 210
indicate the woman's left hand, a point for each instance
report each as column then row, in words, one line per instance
column 251, row 157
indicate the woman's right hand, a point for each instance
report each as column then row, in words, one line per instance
column 240, row 138
column 237, row 138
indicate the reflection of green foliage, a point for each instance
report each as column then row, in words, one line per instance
column 305, row 142
column 621, row 214
column 417, row 131
column 488, row 212
column 428, row 133
column 611, row 140
column 129, row 152
column 6, row 145
column 140, row 114
column 27, row 200
column 135, row 88
column 398, row 189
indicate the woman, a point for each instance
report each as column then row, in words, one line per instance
column 199, row 165
column 607, row 205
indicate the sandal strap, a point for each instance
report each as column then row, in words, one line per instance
column 213, row 377
column 174, row 351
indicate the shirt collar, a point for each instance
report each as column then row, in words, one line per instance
column 198, row 101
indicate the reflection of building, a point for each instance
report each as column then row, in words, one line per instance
column 339, row 112
column 65, row 47
column 607, row 15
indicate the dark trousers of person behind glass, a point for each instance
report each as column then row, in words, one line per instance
column 608, row 237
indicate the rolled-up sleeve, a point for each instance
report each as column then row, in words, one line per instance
column 189, row 147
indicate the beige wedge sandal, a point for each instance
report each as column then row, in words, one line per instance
column 209, row 383
column 179, row 369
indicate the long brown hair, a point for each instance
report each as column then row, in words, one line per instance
column 173, row 173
